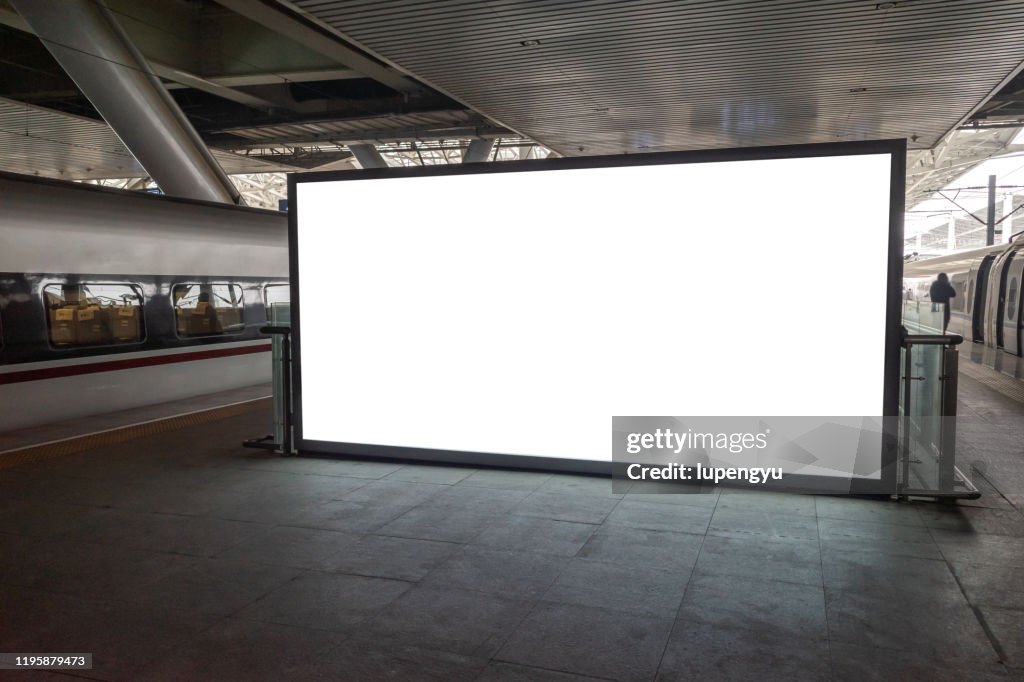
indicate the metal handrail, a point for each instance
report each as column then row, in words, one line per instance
column 932, row 340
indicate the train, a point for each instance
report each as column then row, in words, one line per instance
column 988, row 305
column 111, row 299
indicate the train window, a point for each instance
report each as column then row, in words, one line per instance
column 94, row 314
column 1011, row 300
column 276, row 298
column 208, row 309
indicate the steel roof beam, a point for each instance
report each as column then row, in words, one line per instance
column 199, row 83
column 239, row 140
column 90, row 45
column 315, row 38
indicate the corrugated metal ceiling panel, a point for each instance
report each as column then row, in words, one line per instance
column 53, row 144
column 343, row 127
column 607, row 76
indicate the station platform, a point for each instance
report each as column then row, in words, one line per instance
column 181, row 555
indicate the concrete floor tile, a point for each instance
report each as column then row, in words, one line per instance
column 51, row 520
column 975, row 520
column 91, row 570
column 388, row 557
column 852, row 663
column 887, row 532
column 510, row 672
column 518, row 575
column 849, row 543
column 761, row 557
column 589, row 641
column 452, row 620
column 237, row 649
column 364, row 659
column 348, row 517
column 991, row 584
column 677, row 518
column 325, row 601
column 662, row 492
column 197, row 536
column 493, row 500
column 213, row 588
column 1007, row 626
column 387, row 491
column 877, row 511
column 960, row 547
column 906, row 580
column 508, row 480
column 292, row 547
column 733, row 522
column 566, row 507
column 569, row 484
column 445, row 524
column 768, row 502
column 698, row 651
column 528, row 534
column 861, row 664
column 353, row 468
column 648, row 548
column 431, row 473
column 123, row 637
column 941, row 632
column 585, row 582
column 772, row 607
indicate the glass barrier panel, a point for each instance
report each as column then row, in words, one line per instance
column 923, row 317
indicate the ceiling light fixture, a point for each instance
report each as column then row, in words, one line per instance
column 529, row 43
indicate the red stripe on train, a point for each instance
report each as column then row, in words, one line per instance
column 131, row 363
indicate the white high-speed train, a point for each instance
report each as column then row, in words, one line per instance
column 111, row 299
column 988, row 305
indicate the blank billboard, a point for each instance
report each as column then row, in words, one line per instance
column 513, row 309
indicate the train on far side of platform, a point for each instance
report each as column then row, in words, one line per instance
column 111, row 300
column 988, row 305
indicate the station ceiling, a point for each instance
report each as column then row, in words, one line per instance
column 287, row 85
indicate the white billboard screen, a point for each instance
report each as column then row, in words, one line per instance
column 516, row 312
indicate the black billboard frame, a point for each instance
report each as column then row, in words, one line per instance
column 896, row 148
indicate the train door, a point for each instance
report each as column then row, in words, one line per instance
column 1012, row 307
column 978, row 284
column 998, row 303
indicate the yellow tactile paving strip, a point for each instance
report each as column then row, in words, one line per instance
column 997, row 381
column 76, row 444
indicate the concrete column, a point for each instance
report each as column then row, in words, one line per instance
column 478, row 151
column 84, row 37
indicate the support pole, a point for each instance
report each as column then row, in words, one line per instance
column 84, row 37
column 951, row 234
column 1007, row 218
column 367, row 156
column 990, row 224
